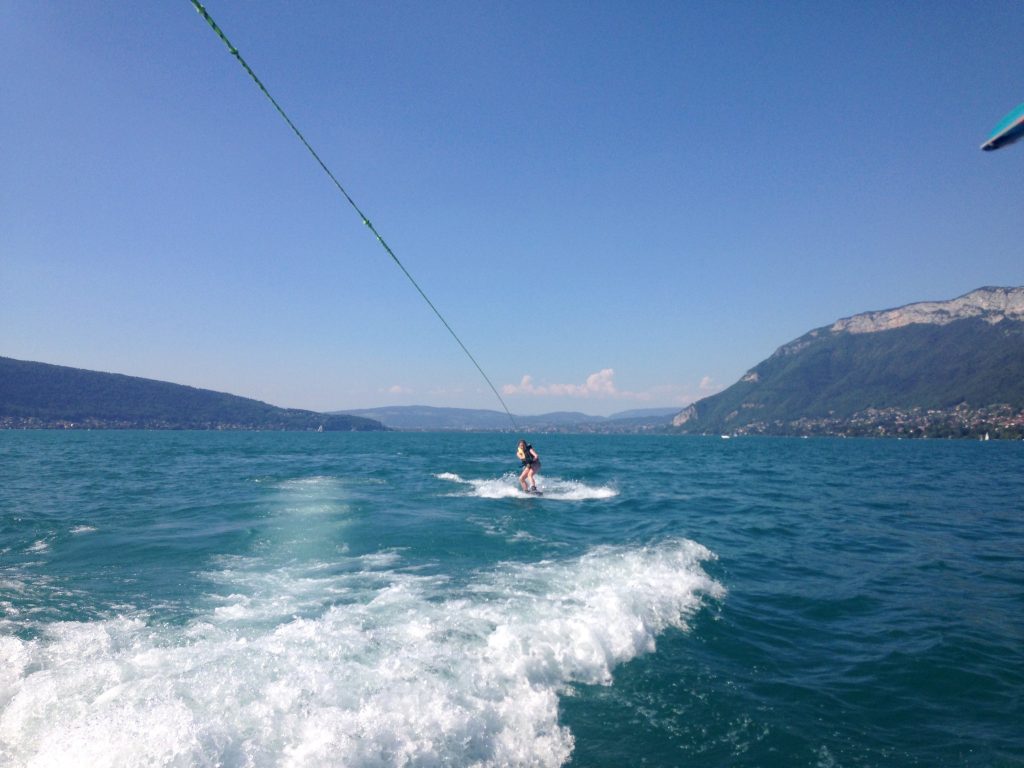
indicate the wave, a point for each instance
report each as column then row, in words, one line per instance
column 396, row 668
column 507, row 486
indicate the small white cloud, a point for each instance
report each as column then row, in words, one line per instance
column 601, row 386
column 524, row 387
column 597, row 385
column 398, row 389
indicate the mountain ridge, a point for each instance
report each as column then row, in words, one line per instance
column 991, row 304
column 42, row 395
column 940, row 356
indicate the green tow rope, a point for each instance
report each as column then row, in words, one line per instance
column 234, row 52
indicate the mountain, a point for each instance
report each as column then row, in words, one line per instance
column 929, row 366
column 426, row 418
column 45, row 396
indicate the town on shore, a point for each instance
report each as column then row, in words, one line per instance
column 995, row 422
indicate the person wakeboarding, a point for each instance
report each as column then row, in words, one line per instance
column 531, row 466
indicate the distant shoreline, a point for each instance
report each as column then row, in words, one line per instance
column 981, row 431
column 25, row 424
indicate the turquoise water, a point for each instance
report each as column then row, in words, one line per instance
column 181, row 599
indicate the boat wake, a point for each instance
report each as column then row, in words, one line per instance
column 396, row 669
column 507, row 486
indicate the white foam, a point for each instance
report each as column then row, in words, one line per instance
column 574, row 490
column 507, row 486
column 38, row 546
column 79, row 529
column 394, row 669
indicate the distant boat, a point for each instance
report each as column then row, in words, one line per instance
column 320, row 428
column 726, row 437
column 985, row 437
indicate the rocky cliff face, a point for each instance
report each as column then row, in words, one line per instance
column 684, row 416
column 993, row 305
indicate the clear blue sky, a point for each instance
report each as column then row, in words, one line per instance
column 629, row 203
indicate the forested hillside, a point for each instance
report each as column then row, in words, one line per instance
column 42, row 395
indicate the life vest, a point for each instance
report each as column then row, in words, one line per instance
column 523, row 452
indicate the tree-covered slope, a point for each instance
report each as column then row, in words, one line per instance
column 39, row 394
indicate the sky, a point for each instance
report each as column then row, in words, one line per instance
column 614, row 205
